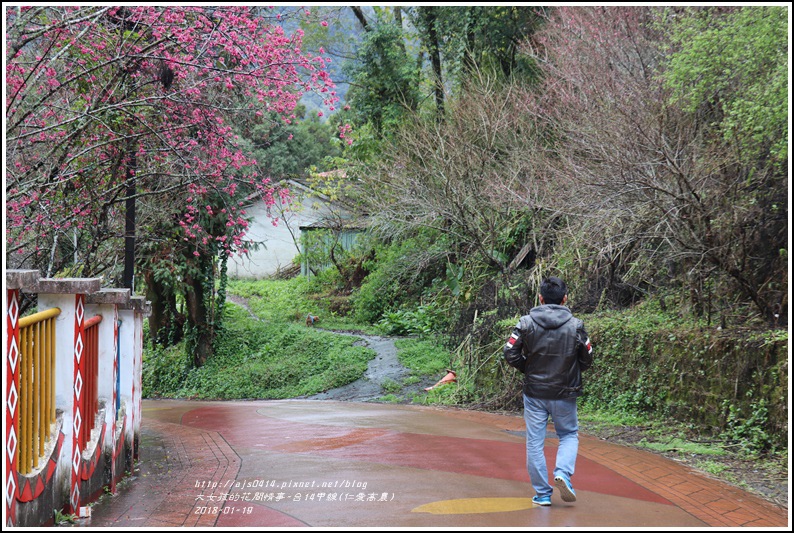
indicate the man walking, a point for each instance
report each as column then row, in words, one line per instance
column 551, row 348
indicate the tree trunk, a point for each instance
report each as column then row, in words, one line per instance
column 429, row 17
column 165, row 322
column 360, row 16
column 201, row 333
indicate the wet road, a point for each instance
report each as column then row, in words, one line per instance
column 329, row 464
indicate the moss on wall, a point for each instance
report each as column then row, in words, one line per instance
column 732, row 383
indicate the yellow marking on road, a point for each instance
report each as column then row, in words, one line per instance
column 475, row 506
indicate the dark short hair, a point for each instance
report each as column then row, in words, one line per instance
column 553, row 290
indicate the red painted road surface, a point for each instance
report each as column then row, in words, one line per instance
column 324, row 464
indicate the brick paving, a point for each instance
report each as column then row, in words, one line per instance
column 162, row 493
column 715, row 502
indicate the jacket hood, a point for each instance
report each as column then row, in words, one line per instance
column 550, row 316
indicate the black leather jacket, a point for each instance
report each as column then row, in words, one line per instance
column 551, row 348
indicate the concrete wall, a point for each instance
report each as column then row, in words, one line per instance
column 279, row 241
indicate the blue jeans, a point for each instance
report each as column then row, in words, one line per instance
column 566, row 425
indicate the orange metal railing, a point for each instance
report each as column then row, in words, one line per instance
column 90, row 402
column 36, row 386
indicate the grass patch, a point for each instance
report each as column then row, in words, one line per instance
column 276, row 300
column 258, row 360
column 681, row 446
column 447, row 394
column 712, row 467
column 290, row 301
column 391, row 386
column 422, row 357
column 659, row 435
column 390, row 398
column 602, row 419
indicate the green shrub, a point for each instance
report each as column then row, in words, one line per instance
column 164, row 370
column 424, row 320
column 749, row 430
column 398, row 275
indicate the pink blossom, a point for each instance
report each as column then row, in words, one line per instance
column 185, row 146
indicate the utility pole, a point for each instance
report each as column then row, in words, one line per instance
column 129, row 229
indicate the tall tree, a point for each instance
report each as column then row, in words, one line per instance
column 489, row 37
column 428, row 22
column 436, row 49
column 98, row 96
column 288, row 149
column 384, row 84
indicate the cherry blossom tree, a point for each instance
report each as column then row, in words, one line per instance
column 107, row 106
